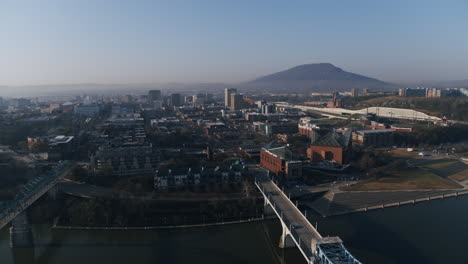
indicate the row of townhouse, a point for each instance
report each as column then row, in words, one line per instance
column 165, row 179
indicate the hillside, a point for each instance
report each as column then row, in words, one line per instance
column 320, row 77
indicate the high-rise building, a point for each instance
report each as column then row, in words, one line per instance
column 188, row 99
column 154, row 95
column 227, row 96
column 354, row 92
column 176, row 99
column 236, row 102
column 268, row 109
column 199, row 99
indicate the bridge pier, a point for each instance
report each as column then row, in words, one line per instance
column 20, row 231
column 54, row 192
column 286, row 240
column 268, row 209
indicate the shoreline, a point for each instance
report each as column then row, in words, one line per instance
column 333, row 204
column 162, row 227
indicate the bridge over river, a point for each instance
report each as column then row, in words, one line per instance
column 297, row 230
column 15, row 211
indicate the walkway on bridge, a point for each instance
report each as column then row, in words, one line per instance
column 32, row 191
column 314, row 247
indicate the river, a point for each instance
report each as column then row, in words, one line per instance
column 429, row 232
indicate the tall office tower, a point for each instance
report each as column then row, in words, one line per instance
column 268, row 109
column 154, row 95
column 354, row 92
column 176, row 99
column 227, row 96
column 199, row 99
column 237, row 101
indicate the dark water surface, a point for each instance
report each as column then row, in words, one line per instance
column 429, row 232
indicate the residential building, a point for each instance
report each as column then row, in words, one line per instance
column 227, row 96
column 154, row 95
column 175, row 178
column 412, row 92
column 61, row 147
column 199, row 99
column 176, row 99
column 308, row 129
column 280, row 128
column 268, row 109
column 126, row 159
column 237, row 101
column 87, row 109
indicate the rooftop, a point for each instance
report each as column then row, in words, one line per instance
column 374, row 131
column 334, row 139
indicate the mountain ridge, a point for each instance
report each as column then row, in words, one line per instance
column 316, row 77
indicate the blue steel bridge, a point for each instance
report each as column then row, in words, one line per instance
column 297, row 230
column 15, row 210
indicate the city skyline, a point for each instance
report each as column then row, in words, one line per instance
column 118, row 42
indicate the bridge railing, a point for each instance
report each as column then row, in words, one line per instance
column 30, row 192
column 305, row 247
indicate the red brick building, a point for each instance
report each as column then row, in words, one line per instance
column 331, row 147
column 279, row 160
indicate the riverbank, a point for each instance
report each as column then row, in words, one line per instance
column 55, row 226
column 341, row 203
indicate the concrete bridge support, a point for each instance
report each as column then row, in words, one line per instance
column 267, row 209
column 54, row 192
column 21, row 232
column 286, row 240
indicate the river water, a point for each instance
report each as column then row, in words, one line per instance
column 429, row 232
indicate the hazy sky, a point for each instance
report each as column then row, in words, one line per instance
column 81, row 41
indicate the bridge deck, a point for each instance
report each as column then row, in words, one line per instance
column 328, row 250
column 32, row 191
column 301, row 229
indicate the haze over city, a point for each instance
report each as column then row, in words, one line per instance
column 121, row 42
column 216, row 131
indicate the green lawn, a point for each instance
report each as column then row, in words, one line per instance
column 449, row 168
column 438, row 164
column 404, row 179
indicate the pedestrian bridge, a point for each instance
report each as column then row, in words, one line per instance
column 297, row 230
column 29, row 193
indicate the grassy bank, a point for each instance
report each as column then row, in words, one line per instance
column 404, row 179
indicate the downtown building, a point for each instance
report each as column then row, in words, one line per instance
column 227, row 96
column 125, row 151
column 331, row 147
column 280, row 161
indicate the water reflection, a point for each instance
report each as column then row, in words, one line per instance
column 23, row 255
column 434, row 232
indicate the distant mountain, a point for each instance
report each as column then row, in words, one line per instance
column 319, row 77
